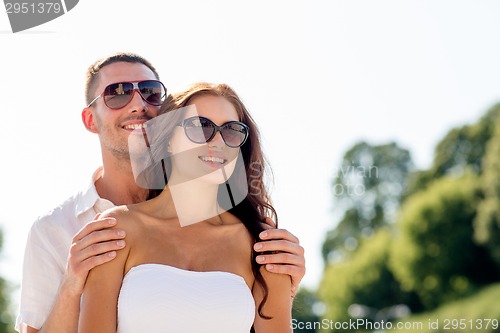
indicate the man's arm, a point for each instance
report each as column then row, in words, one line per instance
column 289, row 258
column 92, row 246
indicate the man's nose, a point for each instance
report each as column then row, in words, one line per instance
column 137, row 103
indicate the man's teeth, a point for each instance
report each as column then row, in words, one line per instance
column 135, row 126
column 212, row 159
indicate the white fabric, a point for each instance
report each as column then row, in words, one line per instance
column 165, row 299
column 47, row 251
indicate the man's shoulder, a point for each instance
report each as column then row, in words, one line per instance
column 61, row 215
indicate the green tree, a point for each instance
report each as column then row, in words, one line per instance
column 368, row 186
column 487, row 222
column 6, row 322
column 434, row 254
column 303, row 310
column 364, row 280
column 443, row 244
column 463, row 148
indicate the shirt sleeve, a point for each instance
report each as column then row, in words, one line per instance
column 43, row 269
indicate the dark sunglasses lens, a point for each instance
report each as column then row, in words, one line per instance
column 199, row 130
column 152, row 92
column 234, row 134
column 117, row 95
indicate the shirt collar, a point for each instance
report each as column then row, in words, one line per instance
column 90, row 198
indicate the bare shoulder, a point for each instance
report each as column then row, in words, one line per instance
column 124, row 218
column 237, row 231
column 115, row 212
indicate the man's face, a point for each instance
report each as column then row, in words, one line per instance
column 114, row 126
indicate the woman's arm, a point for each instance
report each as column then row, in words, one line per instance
column 100, row 296
column 278, row 304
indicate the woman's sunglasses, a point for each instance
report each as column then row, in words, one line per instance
column 119, row 94
column 202, row 130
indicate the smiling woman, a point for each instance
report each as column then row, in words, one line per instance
column 191, row 236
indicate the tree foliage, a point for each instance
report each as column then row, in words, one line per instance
column 364, row 279
column 6, row 325
column 303, row 309
column 435, row 255
column 444, row 245
column 368, row 186
column 462, row 148
column 487, row 222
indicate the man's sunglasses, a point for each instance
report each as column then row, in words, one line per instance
column 119, row 94
column 202, row 130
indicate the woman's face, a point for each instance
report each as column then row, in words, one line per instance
column 213, row 161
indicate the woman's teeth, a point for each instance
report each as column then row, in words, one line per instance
column 212, row 159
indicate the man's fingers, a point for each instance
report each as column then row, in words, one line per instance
column 266, row 226
column 101, row 248
column 94, row 225
column 96, row 239
column 97, row 243
column 278, row 234
column 270, row 222
column 80, row 261
column 98, row 236
column 291, row 270
column 94, row 261
column 287, row 257
column 282, row 259
column 281, row 246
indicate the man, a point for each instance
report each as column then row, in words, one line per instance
column 53, row 281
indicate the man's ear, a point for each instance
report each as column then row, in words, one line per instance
column 88, row 120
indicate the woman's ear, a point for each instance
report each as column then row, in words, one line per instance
column 88, row 120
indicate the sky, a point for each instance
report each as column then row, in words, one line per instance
column 318, row 77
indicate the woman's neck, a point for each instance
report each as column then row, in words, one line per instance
column 191, row 202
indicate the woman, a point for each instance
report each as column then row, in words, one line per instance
column 188, row 265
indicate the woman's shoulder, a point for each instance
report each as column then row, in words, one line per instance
column 115, row 211
column 232, row 220
column 125, row 217
column 237, row 232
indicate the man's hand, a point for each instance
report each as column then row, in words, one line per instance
column 95, row 244
column 289, row 258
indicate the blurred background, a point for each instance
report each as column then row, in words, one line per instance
column 379, row 119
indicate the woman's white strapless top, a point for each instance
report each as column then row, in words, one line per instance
column 160, row 298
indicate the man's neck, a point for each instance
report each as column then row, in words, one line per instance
column 117, row 185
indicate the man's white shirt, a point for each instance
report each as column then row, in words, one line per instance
column 47, row 250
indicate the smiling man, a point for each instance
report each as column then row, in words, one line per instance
column 123, row 91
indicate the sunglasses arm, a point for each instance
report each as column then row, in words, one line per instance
column 95, row 99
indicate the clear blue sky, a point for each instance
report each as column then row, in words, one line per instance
column 318, row 76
